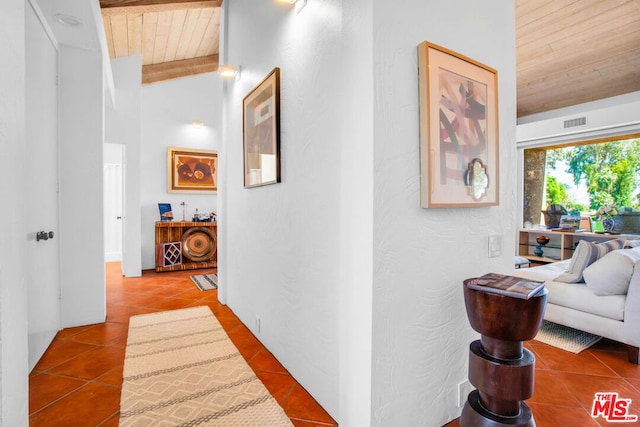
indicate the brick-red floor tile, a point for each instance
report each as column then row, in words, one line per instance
column 77, row 382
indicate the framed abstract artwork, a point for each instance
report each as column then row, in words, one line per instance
column 192, row 171
column 458, row 130
column 261, row 132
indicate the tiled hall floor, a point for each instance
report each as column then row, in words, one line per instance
column 77, row 382
column 566, row 383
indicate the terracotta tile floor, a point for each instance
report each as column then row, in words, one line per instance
column 566, row 383
column 77, row 382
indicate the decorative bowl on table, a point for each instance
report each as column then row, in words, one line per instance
column 542, row 240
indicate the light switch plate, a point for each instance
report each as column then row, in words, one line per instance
column 495, row 246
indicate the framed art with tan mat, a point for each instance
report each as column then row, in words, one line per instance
column 261, row 132
column 458, row 130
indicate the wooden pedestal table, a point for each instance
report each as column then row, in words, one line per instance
column 500, row 369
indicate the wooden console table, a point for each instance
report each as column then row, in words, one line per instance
column 186, row 245
column 561, row 243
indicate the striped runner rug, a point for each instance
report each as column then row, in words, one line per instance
column 181, row 369
column 205, row 282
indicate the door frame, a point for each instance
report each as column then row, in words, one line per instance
column 115, row 153
column 34, row 357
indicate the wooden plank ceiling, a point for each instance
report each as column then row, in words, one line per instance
column 567, row 51
column 176, row 38
column 574, row 51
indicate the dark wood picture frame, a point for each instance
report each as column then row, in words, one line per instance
column 261, row 132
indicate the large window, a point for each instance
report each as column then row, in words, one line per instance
column 591, row 180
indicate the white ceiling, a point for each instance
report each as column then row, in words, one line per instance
column 85, row 35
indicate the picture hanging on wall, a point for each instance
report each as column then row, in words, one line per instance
column 458, row 130
column 192, row 170
column 261, row 132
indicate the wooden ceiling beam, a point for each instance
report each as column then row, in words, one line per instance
column 124, row 3
column 139, row 7
column 176, row 69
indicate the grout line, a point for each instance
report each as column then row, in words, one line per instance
column 107, row 419
column 595, row 355
column 290, row 392
column 254, row 356
column 61, row 397
column 47, row 371
column 318, row 423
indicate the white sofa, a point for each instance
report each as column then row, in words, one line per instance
column 578, row 306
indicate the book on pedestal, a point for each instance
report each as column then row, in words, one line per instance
column 503, row 284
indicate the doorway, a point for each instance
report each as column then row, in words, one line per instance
column 113, row 181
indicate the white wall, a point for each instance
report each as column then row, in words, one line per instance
column 282, row 261
column 123, row 127
column 421, row 256
column 13, row 297
column 80, row 236
column 81, row 199
column 167, row 110
column 356, row 214
column 604, row 118
column 341, row 250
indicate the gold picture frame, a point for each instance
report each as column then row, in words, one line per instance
column 261, row 132
column 459, row 144
column 192, row 170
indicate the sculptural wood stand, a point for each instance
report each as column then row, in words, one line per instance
column 500, row 369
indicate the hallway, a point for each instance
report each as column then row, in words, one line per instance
column 77, row 382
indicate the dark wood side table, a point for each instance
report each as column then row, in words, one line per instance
column 500, row 368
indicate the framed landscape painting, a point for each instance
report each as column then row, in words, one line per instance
column 191, row 170
column 261, row 132
column 458, row 130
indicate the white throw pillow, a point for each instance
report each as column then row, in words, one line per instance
column 632, row 243
column 611, row 274
column 587, row 253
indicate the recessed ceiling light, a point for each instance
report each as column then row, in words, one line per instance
column 68, row 20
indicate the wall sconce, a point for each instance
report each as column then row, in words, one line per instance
column 229, row 72
column 300, row 4
column 197, row 124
